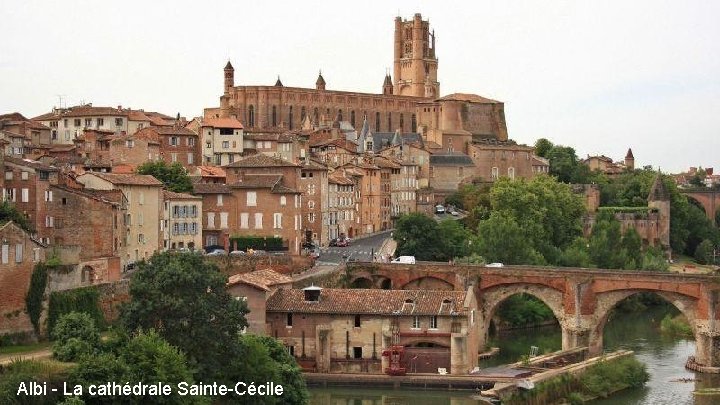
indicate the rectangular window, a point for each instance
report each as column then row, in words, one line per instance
column 219, row 200
column 25, row 195
column 173, row 141
column 49, row 222
column 357, row 321
column 173, row 157
column 141, row 199
column 433, row 322
column 24, row 175
column 8, row 175
column 223, row 220
column 5, row 253
column 258, row 220
column 416, row 322
column 190, row 158
column 290, row 320
column 211, row 220
column 19, row 253
column 176, row 228
column 277, row 220
column 100, row 122
column 141, row 238
column 226, row 144
column 244, row 219
column 357, row 352
column 251, row 199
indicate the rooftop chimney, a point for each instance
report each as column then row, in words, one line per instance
column 312, row 293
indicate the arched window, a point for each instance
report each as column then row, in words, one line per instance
column 274, row 116
column 402, row 123
column 290, row 118
column 251, row 116
column 413, row 123
column 352, row 118
column 340, row 116
column 377, row 122
column 302, row 114
column 390, row 122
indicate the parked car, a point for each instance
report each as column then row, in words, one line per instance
column 439, row 209
column 217, row 252
column 454, row 213
column 308, row 245
column 494, row 265
column 238, row 253
column 315, row 253
column 404, row 260
column 333, row 242
column 258, row 252
column 342, row 243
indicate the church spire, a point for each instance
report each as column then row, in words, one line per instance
column 320, row 82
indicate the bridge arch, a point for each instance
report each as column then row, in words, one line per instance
column 491, row 298
column 707, row 199
column 428, row 283
column 606, row 302
column 361, row 282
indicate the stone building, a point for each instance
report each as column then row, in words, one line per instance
column 278, row 106
column 404, row 188
column 606, row 165
column 27, row 186
column 110, row 149
column 494, row 159
column 218, row 213
column 255, row 288
column 221, row 140
column 37, row 133
column 67, row 124
column 337, row 330
column 177, row 144
column 314, row 185
column 388, row 169
column 368, row 195
column 342, row 211
column 143, row 195
column 181, row 222
column 448, row 170
column 19, row 253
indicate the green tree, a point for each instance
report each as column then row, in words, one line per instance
column 543, row 147
column 454, row 240
column 174, row 175
column 654, row 260
column 632, row 246
column 576, row 254
column 416, row 235
column 605, row 243
column 704, row 252
column 290, row 374
column 150, row 358
column 8, row 213
column 100, row 369
column 502, row 239
column 75, row 335
column 184, row 298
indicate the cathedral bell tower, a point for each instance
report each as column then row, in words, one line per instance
column 229, row 72
column 415, row 66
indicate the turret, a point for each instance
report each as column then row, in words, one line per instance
column 659, row 200
column 387, row 85
column 630, row 160
column 320, row 82
column 229, row 77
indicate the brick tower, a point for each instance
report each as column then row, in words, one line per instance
column 229, row 77
column 415, row 66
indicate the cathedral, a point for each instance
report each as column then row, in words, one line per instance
column 410, row 102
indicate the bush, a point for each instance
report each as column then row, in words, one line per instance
column 676, row 326
column 256, row 242
column 85, row 300
column 75, row 335
column 704, row 252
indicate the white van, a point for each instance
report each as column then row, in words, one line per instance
column 404, row 260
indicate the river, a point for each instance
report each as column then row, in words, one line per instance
column 664, row 356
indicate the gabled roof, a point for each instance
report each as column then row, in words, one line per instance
column 658, row 191
column 129, row 179
column 451, row 159
column 30, row 163
column 210, row 188
column 171, row 195
column 262, row 279
column 222, row 123
column 473, row 98
column 375, row 301
column 262, row 160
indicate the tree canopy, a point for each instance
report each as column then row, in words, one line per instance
column 8, row 213
column 174, row 175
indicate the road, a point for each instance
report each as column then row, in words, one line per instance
column 359, row 249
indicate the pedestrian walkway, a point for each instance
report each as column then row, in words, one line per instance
column 38, row 354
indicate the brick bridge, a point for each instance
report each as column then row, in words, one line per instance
column 708, row 199
column 581, row 299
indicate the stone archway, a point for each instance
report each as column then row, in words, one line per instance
column 362, row 282
column 491, row 298
column 428, row 283
column 87, row 275
column 607, row 301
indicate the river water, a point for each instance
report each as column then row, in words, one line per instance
column 664, row 356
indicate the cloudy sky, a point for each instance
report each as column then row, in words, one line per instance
column 601, row 76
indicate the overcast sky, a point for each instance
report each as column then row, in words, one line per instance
column 600, row 76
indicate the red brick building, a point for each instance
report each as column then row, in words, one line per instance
column 177, row 144
column 255, row 288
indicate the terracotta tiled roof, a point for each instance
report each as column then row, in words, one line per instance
column 376, row 301
column 210, row 171
column 256, row 181
column 136, row 115
column 222, row 123
column 385, row 163
column 262, row 279
column 263, row 137
column 171, row 195
column 261, row 160
column 30, row 163
column 210, row 188
column 129, row 179
column 473, row 98
column 338, row 178
column 312, row 164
